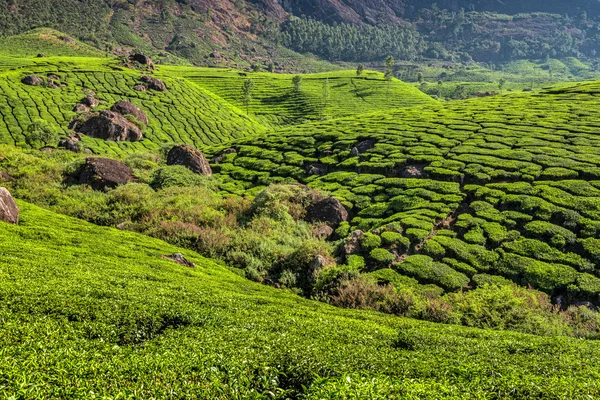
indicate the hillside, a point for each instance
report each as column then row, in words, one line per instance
column 83, row 306
column 183, row 113
column 504, row 186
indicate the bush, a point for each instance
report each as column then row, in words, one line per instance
column 180, row 176
column 382, row 256
column 370, row 241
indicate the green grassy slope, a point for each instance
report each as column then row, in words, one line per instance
column 185, row 113
column 276, row 103
column 45, row 41
column 504, row 186
column 92, row 312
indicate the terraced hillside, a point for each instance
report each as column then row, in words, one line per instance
column 276, row 102
column 47, row 42
column 504, row 187
column 185, row 113
column 84, row 306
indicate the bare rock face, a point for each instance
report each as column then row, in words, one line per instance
column 154, row 83
column 90, row 101
column 323, row 231
column 32, row 80
column 125, row 107
column 330, row 210
column 142, row 59
column 139, row 88
column 190, row 157
column 104, row 173
column 9, row 212
column 81, row 108
column 108, row 125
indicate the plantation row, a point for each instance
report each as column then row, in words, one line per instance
column 500, row 188
column 276, row 101
column 185, row 113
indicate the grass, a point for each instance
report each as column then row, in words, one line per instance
column 84, row 306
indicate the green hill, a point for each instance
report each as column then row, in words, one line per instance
column 97, row 312
column 276, row 102
column 47, row 42
column 185, row 113
column 506, row 186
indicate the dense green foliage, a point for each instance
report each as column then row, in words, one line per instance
column 85, row 306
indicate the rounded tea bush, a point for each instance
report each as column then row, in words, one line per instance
column 382, row 256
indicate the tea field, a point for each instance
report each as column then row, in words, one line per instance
column 92, row 312
column 503, row 187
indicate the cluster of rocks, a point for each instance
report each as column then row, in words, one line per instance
column 142, row 59
column 52, row 81
column 180, row 259
column 152, row 83
column 9, row 211
column 112, row 124
column 87, row 103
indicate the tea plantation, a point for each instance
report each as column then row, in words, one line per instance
column 91, row 312
column 504, row 186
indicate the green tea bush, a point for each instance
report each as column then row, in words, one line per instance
column 180, row 176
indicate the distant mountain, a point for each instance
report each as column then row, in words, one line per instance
column 245, row 34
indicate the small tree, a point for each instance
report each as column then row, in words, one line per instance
column 420, row 77
column 501, row 84
column 440, row 84
column 324, row 95
column 388, row 73
column 247, row 89
column 271, row 67
column 40, row 134
column 297, row 81
column 360, row 69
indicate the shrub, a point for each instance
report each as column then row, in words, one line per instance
column 382, row 256
column 370, row 241
column 180, row 176
column 39, row 134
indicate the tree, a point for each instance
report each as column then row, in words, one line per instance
column 440, row 84
column 297, row 81
column 271, row 67
column 460, row 92
column 360, row 69
column 420, row 77
column 388, row 73
column 40, row 134
column 501, row 84
column 324, row 95
column 247, row 89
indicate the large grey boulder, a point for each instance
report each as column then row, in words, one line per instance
column 330, row 210
column 190, row 157
column 105, row 173
column 108, row 125
column 9, row 212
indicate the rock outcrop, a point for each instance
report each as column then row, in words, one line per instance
column 71, row 142
column 142, row 59
column 9, row 212
column 105, row 173
column 362, row 147
column 125, row 107
column 181, row 260
column 352, row 245
column 108, row 125
column 190, row 157
column 329, row 210
column 154, row 83
column 32, row 80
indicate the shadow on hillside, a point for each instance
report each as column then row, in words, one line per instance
column 300, row 106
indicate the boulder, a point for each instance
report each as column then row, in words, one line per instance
column 362, row 147
column 352, row 245
column 413, row 171
column 139, row 88
column 67, row 39
column 586, row 304
column 142, row 59
column 323, row 231
column 81, row 108
column 32, row 80
column 108, row 125
column 154, row 83
column 71, row 143
column 181, row 260
column 90, row 101
column 329, row 210
column 105, row 173
column 215, row 54
column 189, row 157
column 125, row 107
column 9, row 212
column 316, row 169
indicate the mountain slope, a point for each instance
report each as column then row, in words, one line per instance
column 84, row 307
